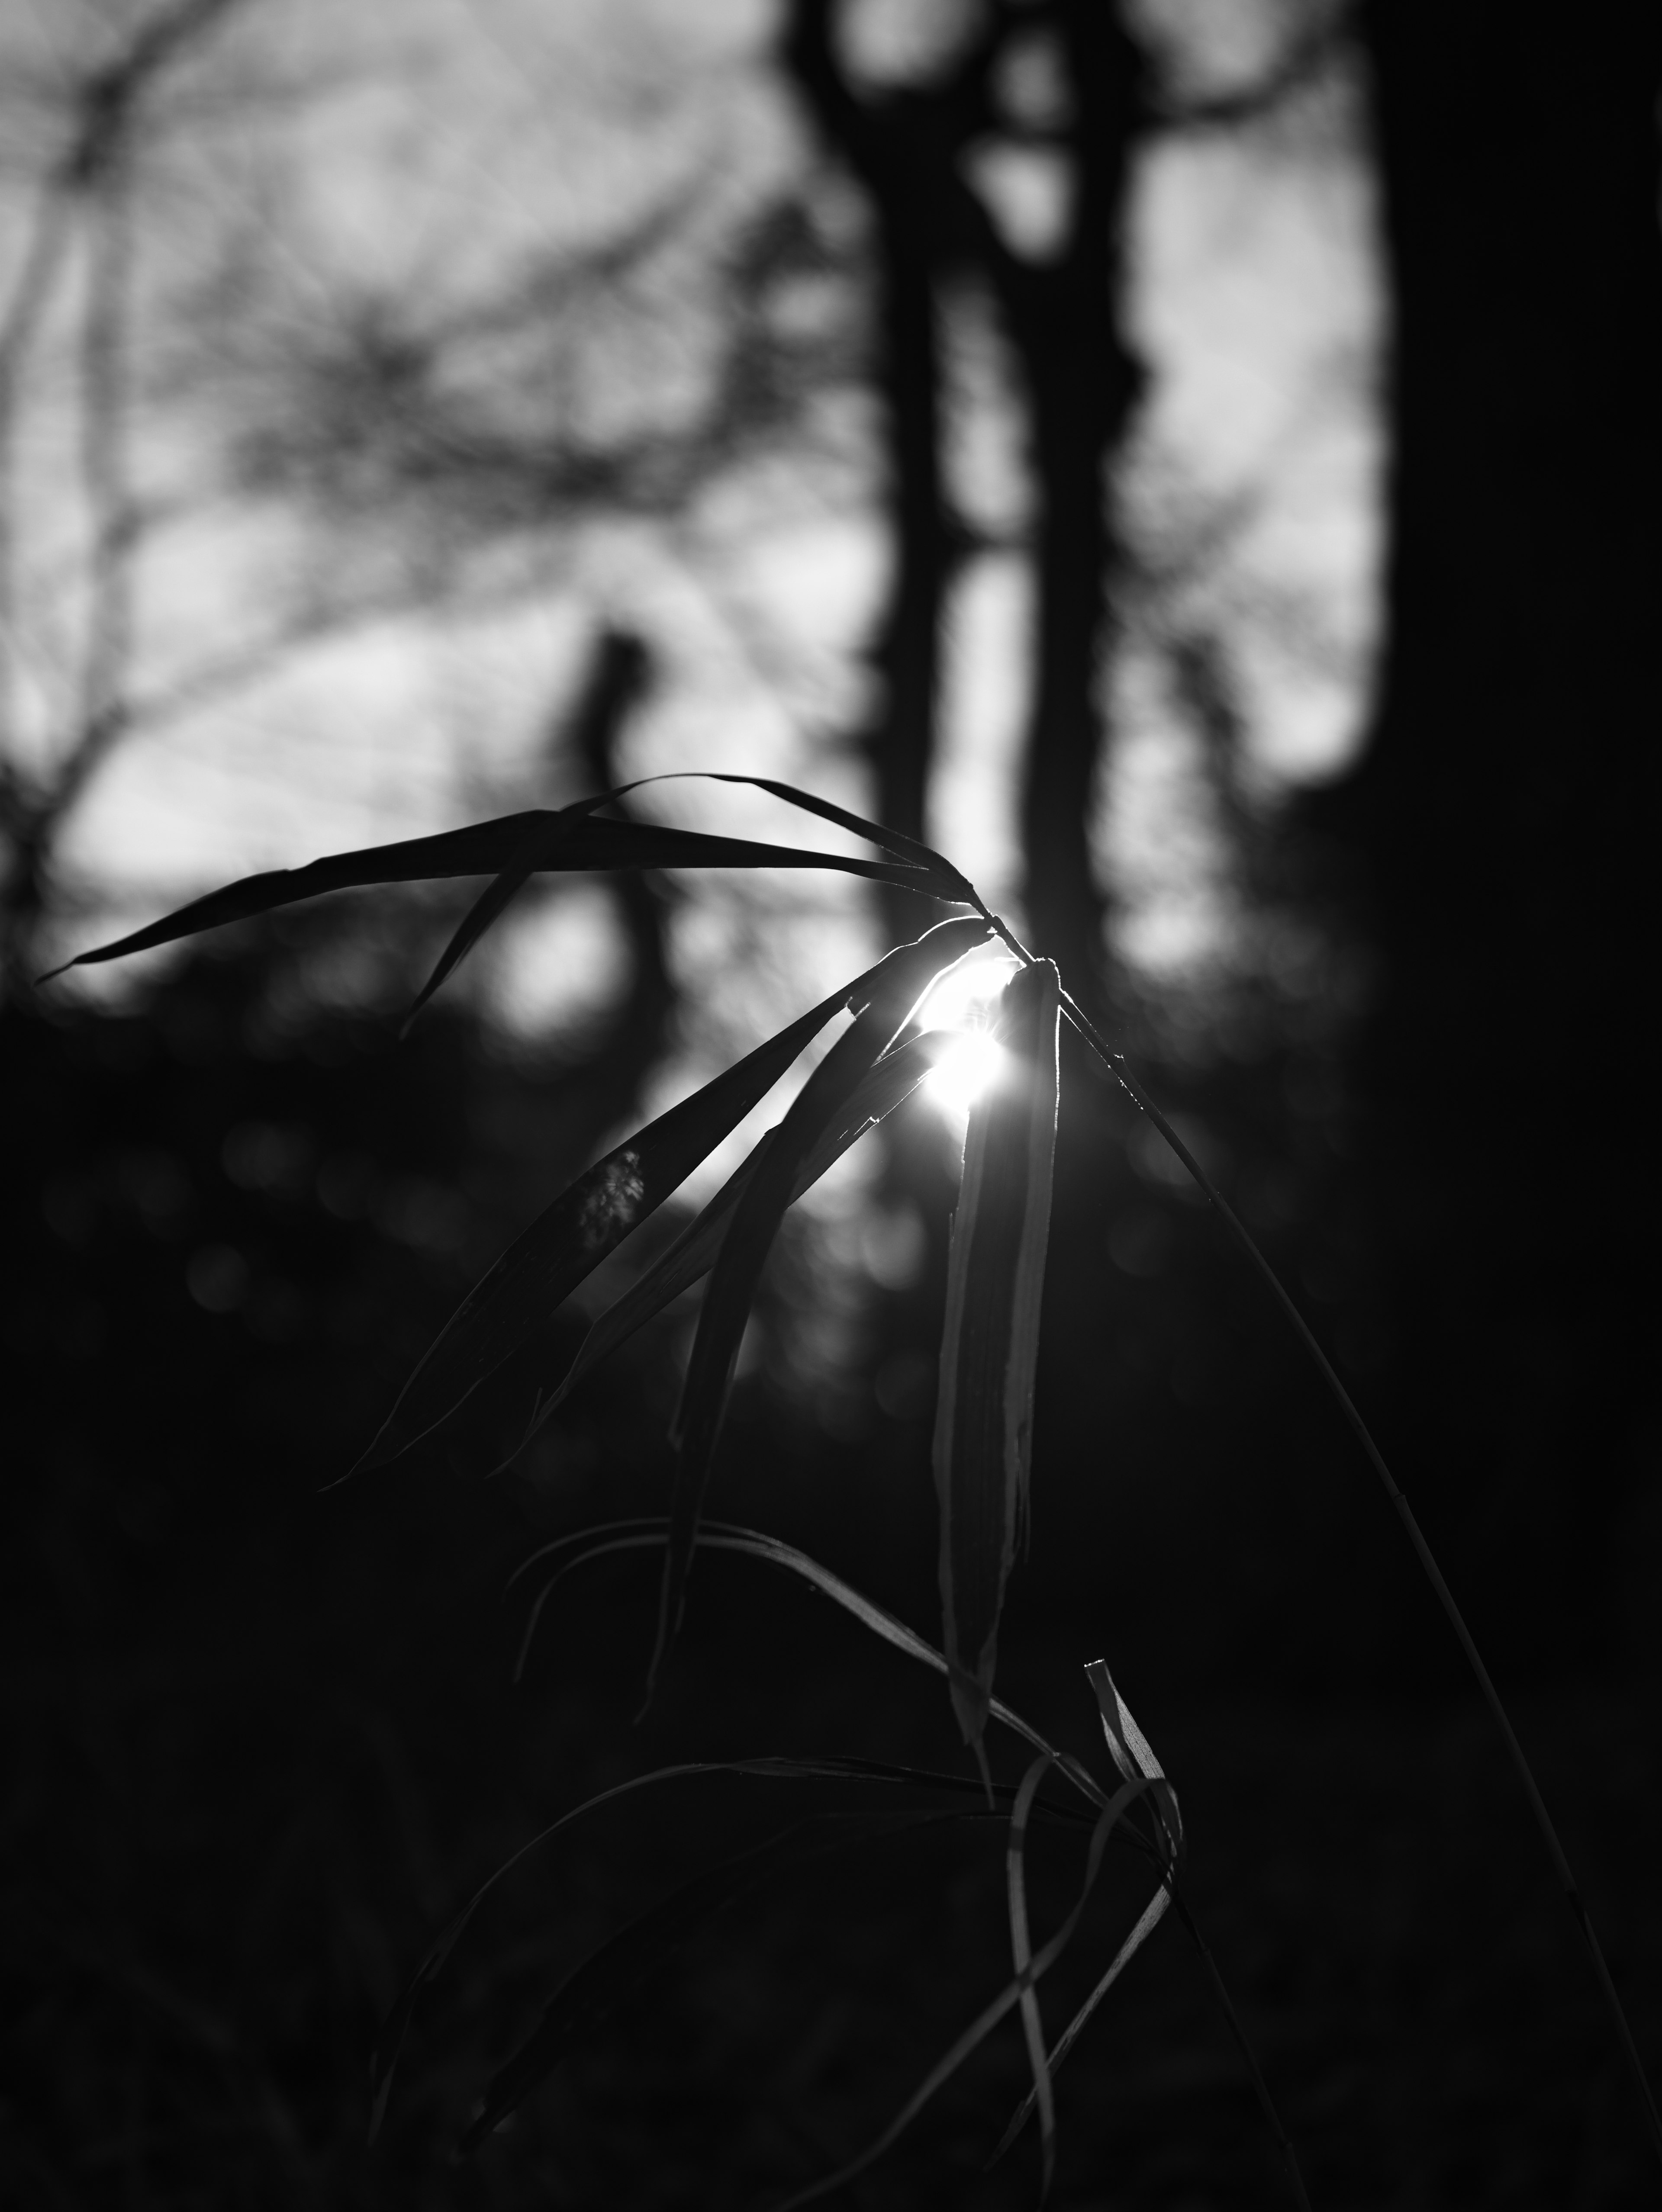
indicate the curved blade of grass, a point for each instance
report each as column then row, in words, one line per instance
column 538, row 848
column 1150, row 1918
column 1021, row 1958
column 888, row 1085
column 1260, row 2087
column 768, row 1767
column 487, row 848
column 606, row 1981
column 892, row 990
column 988, row 2019
column 950, row 882
column 1152, row 1912
column 989, row 1343
column 1115, row 1064
column 589, row 1544
column 1133, row 1754
column 592, row 1215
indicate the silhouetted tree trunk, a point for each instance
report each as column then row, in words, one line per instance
column 903, row 148
column 907, row 146
column 634, row 1041
column 1502, row 826
column 1082, row 382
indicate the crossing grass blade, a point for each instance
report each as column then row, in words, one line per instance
column 1021, row 1956
column 490, row 848
column 1133, row 1755
column 990, row 1344
column 571, row 1236
column 988, row 2019
column 592, row 1216
column 1149, row 1919
column 946, row 881
column 1134, row 1759
column 647, row 1532
column 768, row 1767
column 888, row 1086
column 615, row 1973
column 538, row 848
column 891, row 992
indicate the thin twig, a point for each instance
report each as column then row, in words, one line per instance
column 1266, row 2102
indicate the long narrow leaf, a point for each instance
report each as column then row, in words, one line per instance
column 612, row 1974
column 988, row 2019
column 892, row 990
column 587, row 1545
column 1150, row 1918
column 946, row 880
column 486, row 848
column 390, row 2041
column 1133, row 1754
column 571, row 1236
column 538, row 848
column 887, row 1086
column 1021, row 1953
column 989, row 1345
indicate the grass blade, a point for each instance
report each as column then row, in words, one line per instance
column 892, row 990
column 390, row 2041
column 1149, row 1919
column 592, row 1215
column 888, row 1086
column 1021, row 1954
column 571, row 1236
column 1133, row 1754
column 946, row 881
column 538, row 848
column 487, row 848
column 990, row 1344
column 646, row 1534
column 1115, row 1065
column 988, row 2019
column 614, row 1973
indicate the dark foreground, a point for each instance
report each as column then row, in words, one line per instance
column 262, row 1739
column 229, row 1841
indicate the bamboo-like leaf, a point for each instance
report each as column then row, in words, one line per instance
column 586, row 1545
column 892, row 990
column 988, row 2019
column 1147, row 1920
column 990, row 1344
column 887, row 1086
column 538, row 848
column 1021, row 1953
column 946, row 880
column 615, row 1973
column 390, row 2041
column 1133, row 1754
column 487, row 848
column 573, row 1234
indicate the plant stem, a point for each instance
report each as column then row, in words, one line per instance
column 1266, row 2103
column 1116, row 1068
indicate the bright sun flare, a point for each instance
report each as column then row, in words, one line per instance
column 961, row 1001
column 965, row 1070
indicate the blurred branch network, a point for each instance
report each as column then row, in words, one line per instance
column 324, row 345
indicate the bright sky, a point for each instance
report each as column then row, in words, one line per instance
column 427, row 162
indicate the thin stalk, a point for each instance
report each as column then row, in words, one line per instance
column 1266, row 2103
column 1116, row 1068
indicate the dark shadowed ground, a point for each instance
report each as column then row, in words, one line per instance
column 262, row 1739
